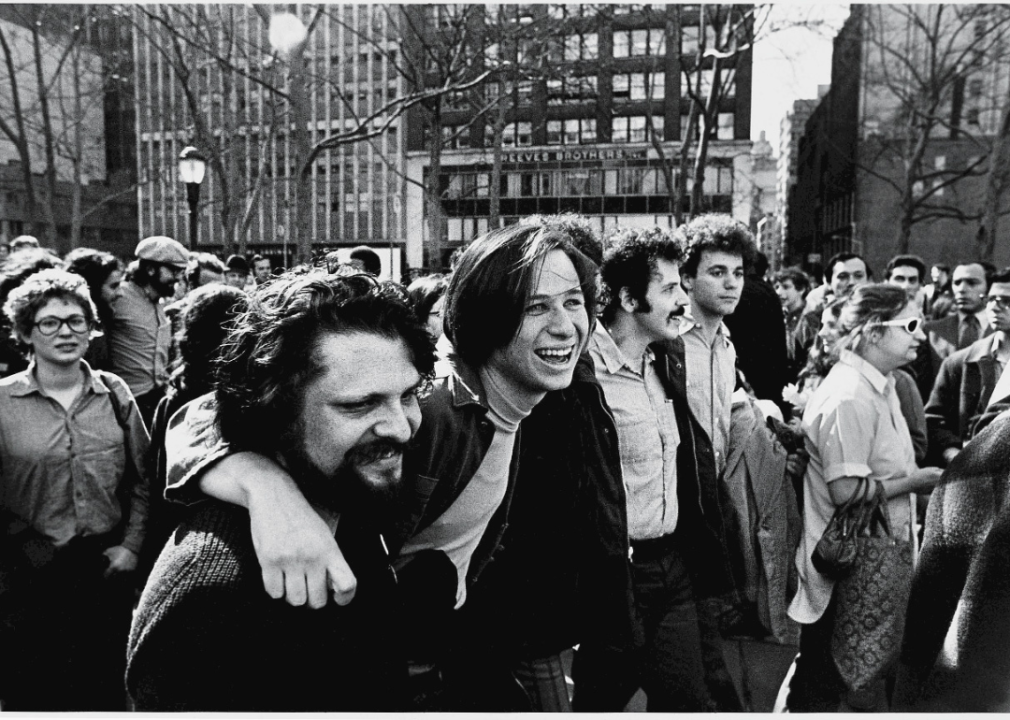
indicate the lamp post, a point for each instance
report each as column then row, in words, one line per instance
column 192, row 166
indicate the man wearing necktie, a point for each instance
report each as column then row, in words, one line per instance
column 959, row 329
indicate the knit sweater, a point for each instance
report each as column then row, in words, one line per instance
column 207, row 637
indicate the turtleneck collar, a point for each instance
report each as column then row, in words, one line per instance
column 508, row 403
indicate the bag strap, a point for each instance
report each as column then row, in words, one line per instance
column 117, row 409
column 120, row 413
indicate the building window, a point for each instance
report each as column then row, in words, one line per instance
column 581, row 47
column 629, row 180
column 508, row 138
column 637, row 84
column 555, row 91
column 622, row 43
column 658, row 83
column 571, row 132
column 525, row 91
column 689, row 40
column 975, row 88
column 576, row 182
column 455, row 136
column 726, row 129
column 619, row 131
column 572, row 52
column 588, row 130
column 636, row 128
column 621, row 87
column 648, row 42
column 524, row 134
column 657, row 126
column 554, row 132
column 971, row 116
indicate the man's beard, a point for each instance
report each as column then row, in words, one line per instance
column 354, row 485
column 162, row 288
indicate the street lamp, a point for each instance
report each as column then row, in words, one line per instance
column 192, row 166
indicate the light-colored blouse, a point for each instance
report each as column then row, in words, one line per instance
column 854, row 428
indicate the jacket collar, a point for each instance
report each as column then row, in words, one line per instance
column 27, row 383
column 984, row 348
column 462, row 380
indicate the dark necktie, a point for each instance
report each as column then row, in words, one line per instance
column 968, row 333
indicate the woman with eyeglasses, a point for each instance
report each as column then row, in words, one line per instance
column 853, row 429
column 73, row 507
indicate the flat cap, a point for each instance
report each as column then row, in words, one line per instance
column 163, row 249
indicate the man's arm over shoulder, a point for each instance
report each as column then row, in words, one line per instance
column 297, row 552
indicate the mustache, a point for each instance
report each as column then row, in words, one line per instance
column 679, row 311
column 374, row 450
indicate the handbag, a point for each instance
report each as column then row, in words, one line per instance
column 835, row 552
column 870, row 602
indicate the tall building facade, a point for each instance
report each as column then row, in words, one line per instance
column 790, row 131
column 593, row 129
column 865, row 182
column 209, row 77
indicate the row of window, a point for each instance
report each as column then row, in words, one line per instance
column 580, row 182
column 583, row 131
column 624, row 86
column 466, row 229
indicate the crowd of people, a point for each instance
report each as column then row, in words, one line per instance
column 570, row 471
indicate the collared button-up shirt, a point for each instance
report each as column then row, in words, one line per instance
column 60, row 469
column 139, row 340
column 853, row 427
column 647, row 436
column 711, row 377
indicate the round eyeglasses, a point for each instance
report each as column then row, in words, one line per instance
column 1000, row 301
column 51, row 325
column 910, row 325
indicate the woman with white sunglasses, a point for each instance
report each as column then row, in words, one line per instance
column 854, row 429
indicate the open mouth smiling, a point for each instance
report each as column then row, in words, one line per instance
column 555, row 356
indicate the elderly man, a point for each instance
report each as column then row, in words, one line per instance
column 140, row 334
column 323, row 374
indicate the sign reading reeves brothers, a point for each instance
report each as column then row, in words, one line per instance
column 527, row 156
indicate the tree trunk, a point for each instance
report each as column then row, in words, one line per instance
column 48, row 137
column 708, row 118
column 303, row 209
column 436, row 220
column 494, row 192
column 76, row 219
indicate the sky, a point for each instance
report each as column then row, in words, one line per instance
column 791, row 58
